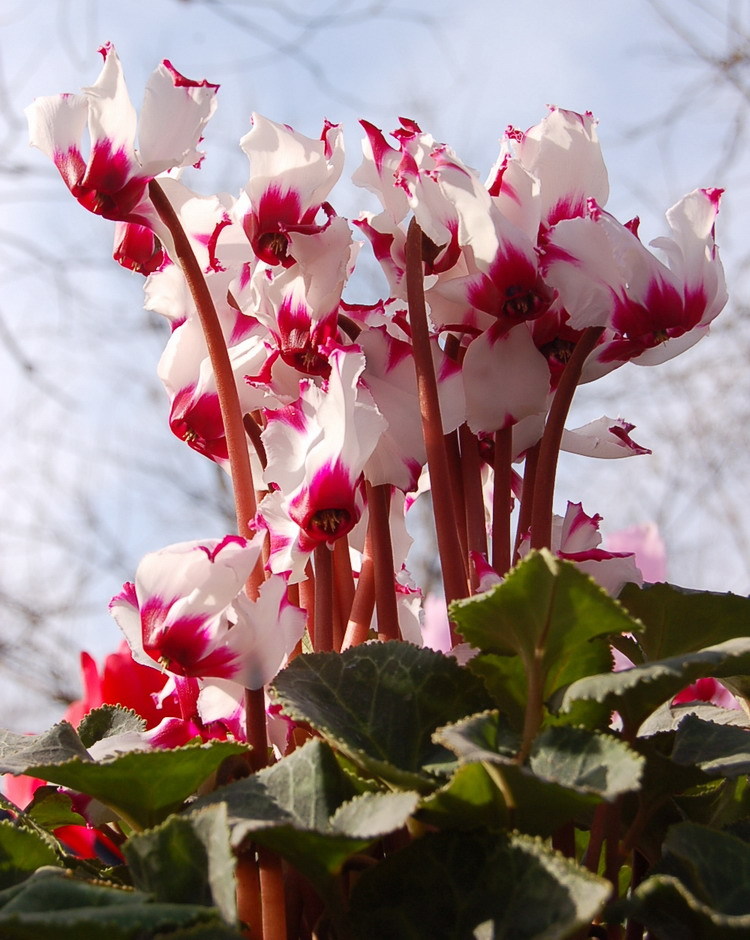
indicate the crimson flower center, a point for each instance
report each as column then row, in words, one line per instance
column 329, row 521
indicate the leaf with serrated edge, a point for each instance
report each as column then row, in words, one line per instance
column 635, row 693
column 142, row 786
column 305, row 809
column 21, row 853
column 581, row 760
column 679, row 620
column 379, row 704
column 515, row 881
column 372, row 815
column 187, row 860
column 107, row 721
column 722, row 750
column 702, row 888
column 20, row 752
column 550, row 614
column 50, row 808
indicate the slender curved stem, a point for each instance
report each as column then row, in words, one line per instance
column 501, row 500
column 323, row 599
column 272, row 892
column 358, row 628
column 378, row 502
column 549, row 449
column 471, row 470
column 527, row 496
column 226, row 388
column 449, row 549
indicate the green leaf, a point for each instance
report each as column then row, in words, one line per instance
column 575, row 758
column 50, row 808
column 514, row 882
column 21, row 853
column 678, row 620
column 379, row 704
column 669, row 717
column 305, row 809
column 718, row 749
column 569, row 771
column 373, row 815
column 472, row 798
column 143, row 787
column 635, row 693
column 53, row 906
column 486, row 736
column 702, row 888
column 586, row 761
column 550, row 614
column 107, row 721
column 20, row 752
column 505, row 680
column 187, row 860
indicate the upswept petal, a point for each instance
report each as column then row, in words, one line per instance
column 605, row 276
column 379, row 173
column 317, row 448
column 563, row 153
column 174, row 114
column 56, row 125
column 291, row 177
column 605, row 437
column 111, row 115
column 576, row 538
column 112, row 181
column 266, row 632
column 198, row 577
column 580, row 265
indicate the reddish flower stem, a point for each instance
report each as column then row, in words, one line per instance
column 323, row 599
column 527, row 496
column 596, row 839
column 255, row 725
column 231, row 416
column 343, row 580
column 501, row 500
column 378, row 503
column 340, row 617
column 272, row 893
column 457, row 486
column 253, row 432
column 247, row 879
column 360, row 618
column 471, row 469
column 454, row 581
column 226, row 388
column 549, row 449
column 307, row 601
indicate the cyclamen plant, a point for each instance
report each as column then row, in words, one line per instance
column 276, row 752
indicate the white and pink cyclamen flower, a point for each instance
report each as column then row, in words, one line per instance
column 187, row 613
column 125, row 152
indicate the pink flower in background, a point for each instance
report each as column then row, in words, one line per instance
column 646, row 544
